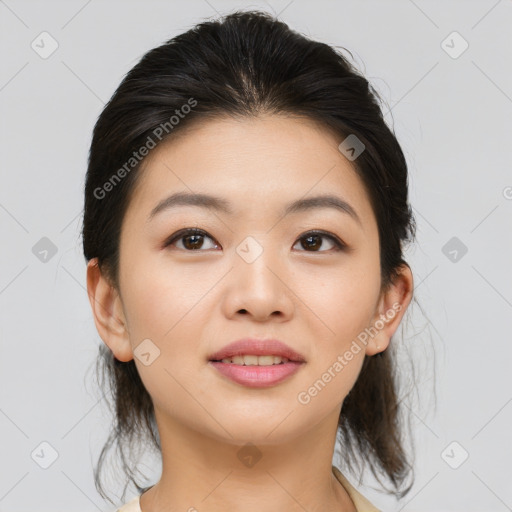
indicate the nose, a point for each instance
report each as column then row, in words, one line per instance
column 259, row 289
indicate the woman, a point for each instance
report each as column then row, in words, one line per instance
column 245, row 212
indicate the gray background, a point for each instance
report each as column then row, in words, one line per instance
column 453, row 119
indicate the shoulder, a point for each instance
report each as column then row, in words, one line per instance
column 361, row 503
column 131, row 506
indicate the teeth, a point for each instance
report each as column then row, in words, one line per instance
column 256, row 360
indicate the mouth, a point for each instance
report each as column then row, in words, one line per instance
column 256, row 363
column 256, row 375
column 257, row 352
column 254, row 360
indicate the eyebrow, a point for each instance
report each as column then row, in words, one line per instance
column 222, row 205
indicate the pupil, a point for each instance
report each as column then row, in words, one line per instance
column 314, row 246
column 195, row 245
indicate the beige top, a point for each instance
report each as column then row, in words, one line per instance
column 360, row 502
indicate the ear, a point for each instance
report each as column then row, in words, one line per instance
column 108, row 313
column 391, row 308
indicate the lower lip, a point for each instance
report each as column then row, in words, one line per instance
column 257, row 376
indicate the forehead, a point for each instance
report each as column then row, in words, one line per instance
column 257, row 164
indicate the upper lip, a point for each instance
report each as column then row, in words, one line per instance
column 257, row 347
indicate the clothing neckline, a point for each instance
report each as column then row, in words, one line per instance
column 361, row 503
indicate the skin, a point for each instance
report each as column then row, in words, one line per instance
column 190, row 303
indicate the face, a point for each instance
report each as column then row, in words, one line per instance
column 251, row 270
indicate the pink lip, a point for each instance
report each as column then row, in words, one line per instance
column 257, row 376
column 255, row 347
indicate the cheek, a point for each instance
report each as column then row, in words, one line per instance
column 161, row 305
column 342, row 306
column 345, row 300
column 165, row 308
column 157, row 297
column 147, row 303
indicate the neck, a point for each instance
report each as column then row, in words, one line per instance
column 203, row 473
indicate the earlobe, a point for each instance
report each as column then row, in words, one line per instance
column 108, row 313
column 392, row 306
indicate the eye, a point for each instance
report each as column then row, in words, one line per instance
column 193, row 239
column 313, row 240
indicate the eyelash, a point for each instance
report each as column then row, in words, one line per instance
column 339, row 245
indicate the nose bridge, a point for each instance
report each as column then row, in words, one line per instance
column 257, row 262
column 256, row 283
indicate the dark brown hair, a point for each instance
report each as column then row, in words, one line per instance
column 242, row 65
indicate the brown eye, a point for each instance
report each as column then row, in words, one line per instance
column 192, row 239
column 313, row 240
